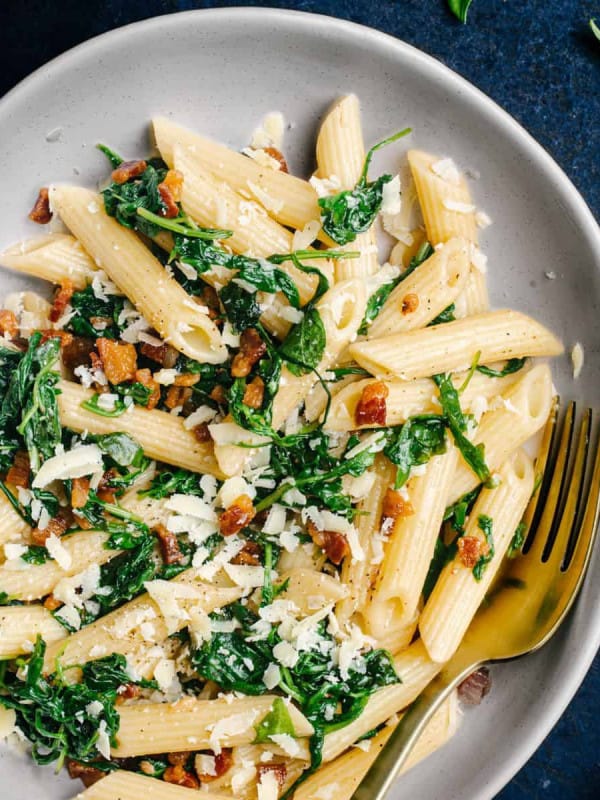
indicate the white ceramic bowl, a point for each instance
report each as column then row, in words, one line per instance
column 220, row 71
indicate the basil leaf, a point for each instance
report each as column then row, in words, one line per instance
column 460, row 8
column 304, row 345
column 485, row 524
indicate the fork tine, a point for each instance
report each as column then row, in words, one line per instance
column 550, row 503
column 589, row 522
column 557, row 550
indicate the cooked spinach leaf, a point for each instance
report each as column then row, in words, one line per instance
column 123, row 200
column 241, row 306
column 442, row 555
column 414, row 443
column 485, row 524
column 108, row 674
column 348, row 213
column 511, row 366
column 96, row 317
column 305, row 344
column 447, row 315
column 167, row 483
column 35, row 554
column 517, row 540
column 114, row 158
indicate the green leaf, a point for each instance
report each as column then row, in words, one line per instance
column 460, row 8
column 447, row 315
column 348, row 213
column 276, row 722
column 263, row 275
column 35, row 554
column 180, row 224
column 485, row 524
column 108, row 674
column 87, row 306
column 92, row 405
column 511, row 366
column 595, row 29
column 442, row 555
column 114, row 158
column 167, row 483
column 123, row 450
column 414, row 443
column 241, row 307
column 517, row 541
column 304, row 345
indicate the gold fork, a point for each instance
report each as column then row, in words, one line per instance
column 532, row 596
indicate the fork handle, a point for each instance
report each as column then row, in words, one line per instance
column 386, row 767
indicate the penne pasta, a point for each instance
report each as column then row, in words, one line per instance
column 161, row 435
column 495, row 335
column 457, row 593
column 13, row 527
column 53, row 258
column 20, row 625
column 139, row 275
column 123, row 785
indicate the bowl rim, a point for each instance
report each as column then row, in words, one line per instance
column 432, row 68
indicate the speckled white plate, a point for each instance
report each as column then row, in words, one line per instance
column 220, row 71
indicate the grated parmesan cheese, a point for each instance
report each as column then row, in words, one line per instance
column 577, row 359
column 83, row 460
column 58, row 552
column 447, row 170
column 457, row 206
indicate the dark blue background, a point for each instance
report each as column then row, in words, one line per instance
column 537, row 59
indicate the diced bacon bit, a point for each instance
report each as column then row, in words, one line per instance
column 40, row 212
column 254, row 393
column 410, row 303
column 371, row 408
column 57, row 526
column 177, row 396
column 169, row 545
column 279, row 770
column 61, row 300
column 181, row 777
column 470, row 550
column 249, row 555
column 334, row 544
column 186, row 379
column 144, row 376
column 128, row 170
column 218, row 394
column 394, row 506
column 223, row 763
column 65, row 337
column 179, row 758
column 119, row 361
column 8, row 324
column 88, row 775
column 202, row 433
column 80, row 492
column 209, row 298
column 252, row 349
column 105, row 491
column 278, row 156
column 170, row 193
column 51, row 603
column 76, row 353
column 474, row 688
column 127, row 691
column 18, row 474
column 164, row 354
column 239, row 514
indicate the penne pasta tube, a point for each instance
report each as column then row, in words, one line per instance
column 53, row 258
column 407, row 398
column 174, row 727
column 416, row 669
column 356, row 574
column 13, row 527
column 340, row 778
column 341, row 154
column 395, row 597
column 426, row 292
column 119, row 630
column 161, row 435
column 341, row 310
column 139, row 275
column 21, row 625
column 310, row 590
column 523, row 410
column 23, row 581
column 124, row 785
column 294, row 201
column 495, row 335
column 457, row 594
column 315, row 402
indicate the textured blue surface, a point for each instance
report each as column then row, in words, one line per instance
column 539, row 61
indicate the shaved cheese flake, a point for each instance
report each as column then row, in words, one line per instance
column 287, row 743
column 457, row 206
column 272, row 676
column 262, row 157
column 270, row 132
column 391, row 202
column 245, row 575
column 225, row 728
column 305, row 237
column 577, row 359
column 265, row 199
column 447, row 170
column 75, row 463
column 233, row 488
column 58, row 552
column 192, row 506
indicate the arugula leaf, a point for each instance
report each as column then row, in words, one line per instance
column 108, row 674
column 252, row 419
column 456, row 514
column 511, row 366
column 92, row 405
column 167, row 483
column 447, row 315
column 460, row 8
column 472, row 454
column 517, row 541
column 241, row 307
column 442, row 555
column 485, row 524
column 304, row 345
column 55, row 717
column 200, row 254
column 276, row 722
column 123, row 200
column 377, row 300
column 348, row 213
column 114, row 158
column 35, row 554
column 414, row 443
column 87, row 307
column 139, row 393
